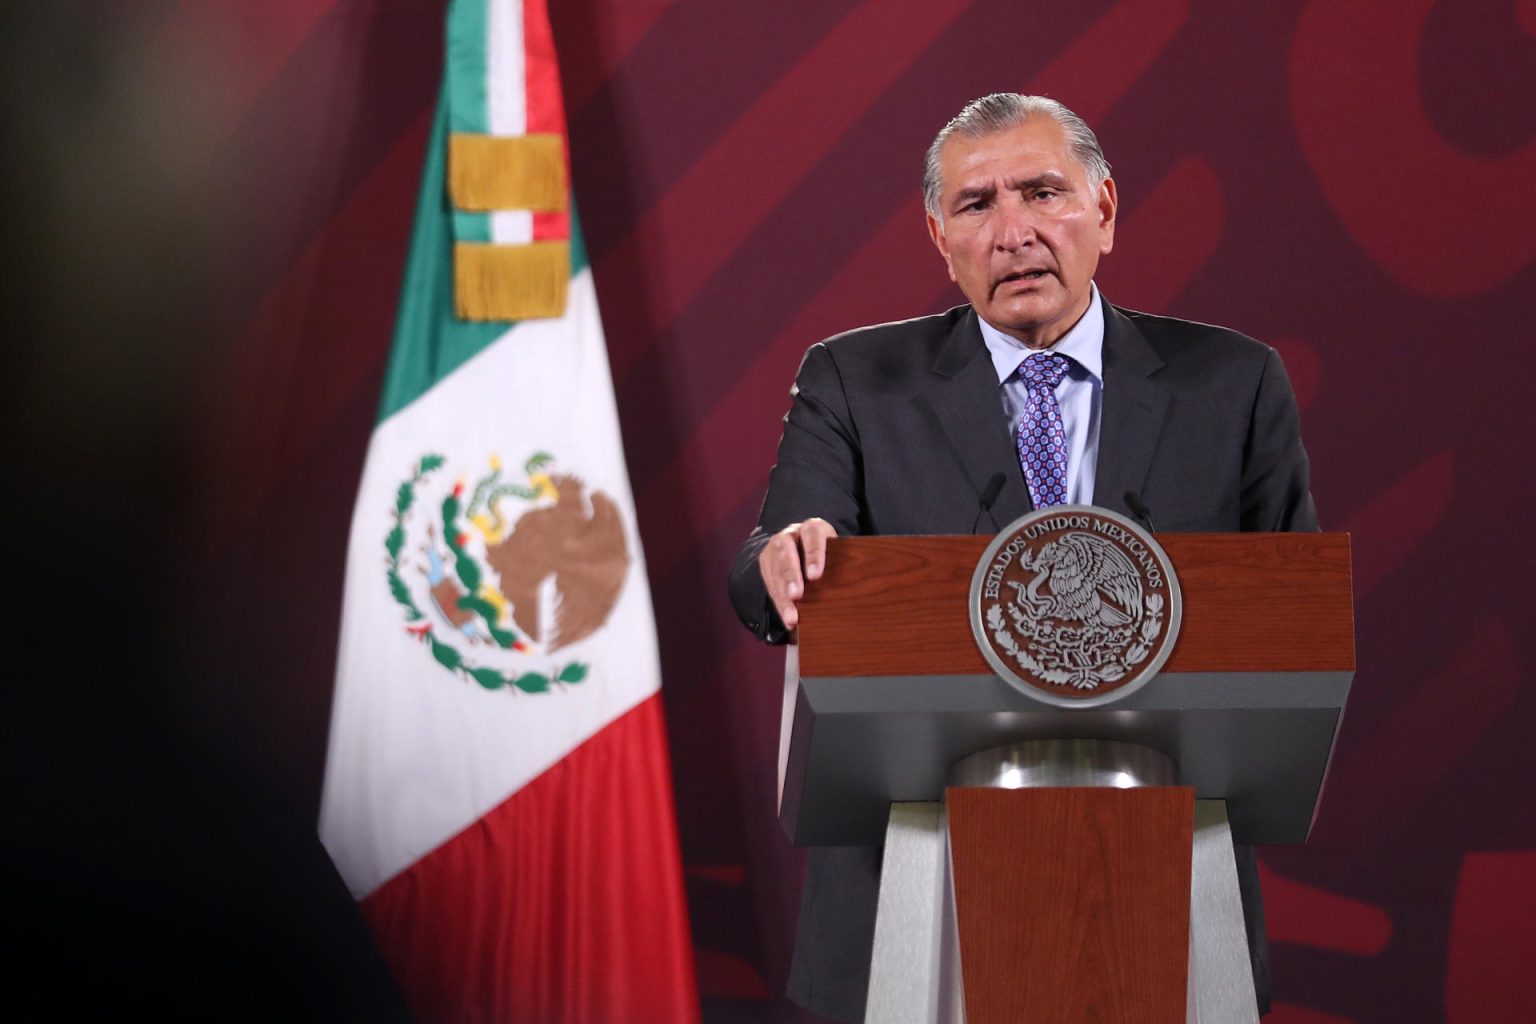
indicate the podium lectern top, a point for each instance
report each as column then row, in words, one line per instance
column 887, row 687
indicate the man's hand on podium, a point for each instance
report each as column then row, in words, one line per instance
column 794, row 555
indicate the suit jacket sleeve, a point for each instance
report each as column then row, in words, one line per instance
column 1276, row 494
column 817, row 474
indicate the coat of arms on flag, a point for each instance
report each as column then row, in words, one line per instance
column 508, row 571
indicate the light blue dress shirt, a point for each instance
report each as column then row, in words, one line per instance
column 1080, row 393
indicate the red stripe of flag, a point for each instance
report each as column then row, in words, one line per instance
column 563, row 905
column 546, row 109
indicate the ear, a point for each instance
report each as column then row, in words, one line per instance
column 1108, row 202
column 936, row 232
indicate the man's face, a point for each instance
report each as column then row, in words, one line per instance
column 1020, row 228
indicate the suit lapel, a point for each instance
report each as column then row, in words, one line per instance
column 962, row 390
column 1134, row 409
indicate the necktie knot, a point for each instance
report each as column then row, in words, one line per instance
column 1044, row 369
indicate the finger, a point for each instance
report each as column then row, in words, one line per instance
column 779, row 563
column 813, row 542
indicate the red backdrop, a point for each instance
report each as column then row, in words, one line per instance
column 1350, row 182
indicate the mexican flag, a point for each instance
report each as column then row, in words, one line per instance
column 497, row 793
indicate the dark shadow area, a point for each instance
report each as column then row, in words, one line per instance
column 147, row 870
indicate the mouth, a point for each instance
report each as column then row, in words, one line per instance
column 1024, row 277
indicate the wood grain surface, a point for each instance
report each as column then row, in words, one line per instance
column 1073, row 904
column 1257, row 602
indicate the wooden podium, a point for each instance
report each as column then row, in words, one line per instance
column 1080, row 866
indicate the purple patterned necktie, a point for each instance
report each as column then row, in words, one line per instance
column 1041, row 439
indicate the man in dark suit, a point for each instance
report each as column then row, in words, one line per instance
column 903, row 428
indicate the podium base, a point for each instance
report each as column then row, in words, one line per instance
column 916, row 973
column 1220, row 972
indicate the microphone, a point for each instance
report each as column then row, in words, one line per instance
column 1139, row 509
column 989, row 494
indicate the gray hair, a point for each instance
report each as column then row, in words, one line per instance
column 1001, row 111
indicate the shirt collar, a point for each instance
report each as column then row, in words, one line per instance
column 1084, row 343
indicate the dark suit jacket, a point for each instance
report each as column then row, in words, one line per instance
column 898, row 428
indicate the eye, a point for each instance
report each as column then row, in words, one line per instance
column 1047, row 194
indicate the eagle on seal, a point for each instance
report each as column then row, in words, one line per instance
column 1081, row 578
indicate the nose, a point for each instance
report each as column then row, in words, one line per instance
column 1015, row 227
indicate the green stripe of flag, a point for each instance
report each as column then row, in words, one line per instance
column 468, row 110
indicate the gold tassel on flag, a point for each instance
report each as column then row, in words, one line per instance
column 510, row 282
column 506, row 172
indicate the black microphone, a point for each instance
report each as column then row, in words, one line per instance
column 989, row 494
column 1139, row 509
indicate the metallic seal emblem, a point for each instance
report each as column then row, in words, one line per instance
column 1074, row 605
